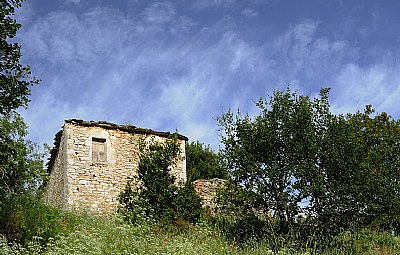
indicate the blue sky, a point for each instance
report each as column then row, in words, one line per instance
column 170, row 65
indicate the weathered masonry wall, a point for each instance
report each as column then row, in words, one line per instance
column 207, row 191
column 79, row 180
column 56, row 188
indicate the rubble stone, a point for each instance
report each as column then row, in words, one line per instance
column 207, row 191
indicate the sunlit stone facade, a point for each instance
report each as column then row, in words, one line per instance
column 92, row 162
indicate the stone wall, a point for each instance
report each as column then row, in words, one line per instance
column 56, row 188
column 79, row 182
column 207, row 190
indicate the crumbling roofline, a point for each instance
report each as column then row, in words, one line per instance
column 106, row 125
column 126, row 128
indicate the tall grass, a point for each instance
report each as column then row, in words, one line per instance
column 91, row 234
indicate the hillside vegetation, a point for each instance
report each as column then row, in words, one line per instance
column 88, row 234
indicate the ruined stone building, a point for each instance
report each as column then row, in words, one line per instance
column 91, row 163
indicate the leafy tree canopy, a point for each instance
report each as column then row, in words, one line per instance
column 15, row 78
column 296, row 156
column 203, row 163
column 20, row 165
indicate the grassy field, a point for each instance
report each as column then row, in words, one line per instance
column 85, row 234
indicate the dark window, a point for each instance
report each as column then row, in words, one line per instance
column 99, row 150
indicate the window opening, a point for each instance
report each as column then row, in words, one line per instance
column 99, row 150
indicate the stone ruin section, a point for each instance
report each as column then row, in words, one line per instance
column 91, row 163
column 207, row 191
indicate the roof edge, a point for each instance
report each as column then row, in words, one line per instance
column 126, row 128
column 103, row 124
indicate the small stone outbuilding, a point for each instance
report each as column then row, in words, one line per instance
column 91, row 163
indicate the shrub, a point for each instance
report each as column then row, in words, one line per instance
column 159, row 197
column 203, row 163
column 24, row 218
column 134, row 208
column 187, row 204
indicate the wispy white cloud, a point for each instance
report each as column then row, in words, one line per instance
column 162, row 68
column 155, row 85
column 378, row 84
column 303, row 55
column 249, row 12
column 182, row 24
column 159, row 13
column 213, row 3
column 72, row 1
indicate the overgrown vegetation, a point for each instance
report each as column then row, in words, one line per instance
column 296, row 158
column 89, row 234
column 203, row 163
column 159, row 197
column 21, row 164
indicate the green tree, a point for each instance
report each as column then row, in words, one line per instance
column 158, row 185
column 15, row 78
column 271, row 155
column 21, row 162
column 203, row 163
column 361, row 162
column 158, row 195
column 20, row 165
column 296, row 156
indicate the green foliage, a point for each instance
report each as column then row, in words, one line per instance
column 361, row 164
column 21, row 162
column 158, row 197
column 187, row 204
column 134, row 208
column 15, row 78
column 24, row 218
column 241, row 229
column 158, row 185
column 267, row 155
column 203, row 163
column 343, row 169
column 237, row 217
column 90, row 234
column 20, row 165
column 367, row 241
column 112, row 235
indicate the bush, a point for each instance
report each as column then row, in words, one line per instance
column 187, row 204
column 159, row 197
column 24, row 218
column 185, row 207
column 203, row 163
column 134, row 208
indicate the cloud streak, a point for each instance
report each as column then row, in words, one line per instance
column 158, row 65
